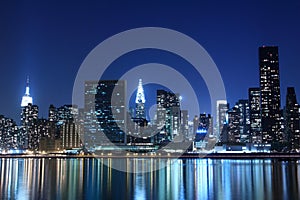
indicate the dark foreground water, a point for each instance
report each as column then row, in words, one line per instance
column 181, row 179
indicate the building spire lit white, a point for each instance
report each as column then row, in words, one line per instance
column 140, row 96
column 26, row 99
column 140, row 101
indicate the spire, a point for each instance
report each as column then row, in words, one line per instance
column 26, row 99
column 27, row 87
column 140, row 96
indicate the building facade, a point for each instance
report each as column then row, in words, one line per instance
column 291, row 119
column 270, row 95
column 255, row 115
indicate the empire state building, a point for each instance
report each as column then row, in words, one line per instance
column 26, row 99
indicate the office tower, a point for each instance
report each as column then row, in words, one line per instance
column 255, row 115
column 291, row 115
column 139, row 133
column 238, row 123
column 270, row 94
column 244, row 110
column 29, row 121
column 222, row 108
column 105, row 112
column 184, row 123
column 9, row 137
column 168, row 114
column 92, row 129
column 140, row 102
column 26, row 99
column 234, row 117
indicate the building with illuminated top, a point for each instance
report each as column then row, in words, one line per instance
column 26, row 99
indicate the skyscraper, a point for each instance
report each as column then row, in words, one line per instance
column 270, row 94
column 105, row 112
column 255, row 115
column 184, row 123
column 222, row 108
column 291, row 115
column 244, row 110
column 140, row 102
column 168, row 114
column 26, row 99
column 29, row 120
column 234, row 117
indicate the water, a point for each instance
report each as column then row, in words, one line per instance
column 181, row 179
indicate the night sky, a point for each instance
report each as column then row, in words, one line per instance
column 49, row 41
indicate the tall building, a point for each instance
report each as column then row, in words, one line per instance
column 29, row 130
column 291, row 116
column 26, row 99
column 105, row 112
column 168, row 114
column 234, row 118
column 244, row 126
column 140, row 102
column 184, row 122
column 270, row 94
column 222, row 108
column 255, row 115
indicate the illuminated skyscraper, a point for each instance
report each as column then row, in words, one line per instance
column 255, row 115
column 168, row 114
column 26, row 99
column 140, row 101
column 222, row 108
column 244, row 110
column 270, row 94
column 29, row 119
column 234, row 117
column 105, row 112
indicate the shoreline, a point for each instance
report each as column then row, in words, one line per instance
column 237, row 156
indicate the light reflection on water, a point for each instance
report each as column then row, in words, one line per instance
column 181, row 179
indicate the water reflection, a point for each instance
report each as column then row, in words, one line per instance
column 181, row 179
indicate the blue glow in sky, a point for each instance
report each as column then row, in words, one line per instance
column 49, row 40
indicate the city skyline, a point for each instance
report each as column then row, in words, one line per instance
column 149, row 99
column 106, row 118
column 52, row 58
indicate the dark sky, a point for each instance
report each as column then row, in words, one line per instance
column 49, row 40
